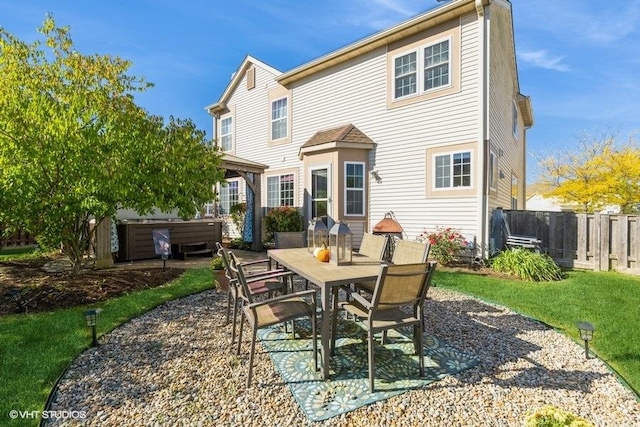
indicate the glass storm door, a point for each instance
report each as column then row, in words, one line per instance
column 320, row 197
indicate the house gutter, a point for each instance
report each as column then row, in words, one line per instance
column 483, row 117
column 405, row 29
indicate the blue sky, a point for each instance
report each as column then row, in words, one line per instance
column 578, row 60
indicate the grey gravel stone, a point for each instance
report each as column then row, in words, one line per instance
column 174, row 366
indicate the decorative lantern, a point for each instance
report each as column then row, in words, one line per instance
column 340, row 244
column 317, row 234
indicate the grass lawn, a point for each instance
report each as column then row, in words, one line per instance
column 36, row 348
column 608, row 300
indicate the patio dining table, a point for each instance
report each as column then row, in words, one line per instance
column 328, row 278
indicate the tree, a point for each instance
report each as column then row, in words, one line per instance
column 75, row 146
column 596, row 175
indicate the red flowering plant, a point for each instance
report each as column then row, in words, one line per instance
column 445, row 243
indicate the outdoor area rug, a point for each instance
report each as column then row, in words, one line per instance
column 396, row 367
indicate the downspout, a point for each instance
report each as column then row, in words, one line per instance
column 483, row 128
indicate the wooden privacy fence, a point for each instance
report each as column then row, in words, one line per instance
column 20, row 238
column 580, row 240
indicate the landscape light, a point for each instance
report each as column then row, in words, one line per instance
column 586, row 333
column 92, row 319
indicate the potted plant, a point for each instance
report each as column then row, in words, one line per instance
column 220, row 279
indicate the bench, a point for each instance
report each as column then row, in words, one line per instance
column 182, row 250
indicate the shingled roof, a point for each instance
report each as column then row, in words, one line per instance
column 346, row 133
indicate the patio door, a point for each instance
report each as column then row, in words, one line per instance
column 320, row 205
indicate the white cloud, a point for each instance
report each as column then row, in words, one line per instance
column 542, row 59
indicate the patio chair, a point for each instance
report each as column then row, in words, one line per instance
column 373, row 245
column 406, row 252
column 264, row 282
column 397, row 287
column 272, row 311
column 515, row 241
column 291, row 239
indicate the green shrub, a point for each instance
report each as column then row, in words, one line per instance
column 217, row 263
column 239, row 243
column 550, row 416
column 283, row 219
column 527, row 265
column 238, row 215
column 445, row 244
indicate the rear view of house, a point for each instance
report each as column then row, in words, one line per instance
column 424, row 119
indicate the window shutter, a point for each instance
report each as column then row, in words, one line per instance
column 251, row 78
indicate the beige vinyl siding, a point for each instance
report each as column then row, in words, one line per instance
column 503, row 93
column 252, row 130
column 356, row 92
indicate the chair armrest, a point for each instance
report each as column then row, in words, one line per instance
column 284, row 297
column 267, row 276
column 361, row 300
column 257, row 261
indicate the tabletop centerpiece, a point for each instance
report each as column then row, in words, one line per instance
column 340, row 244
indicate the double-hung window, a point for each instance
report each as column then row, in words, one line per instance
column 434, row 73
column 280, row 190
column 226, row 134
column 436, row 65
column 279, row 119
column 354, row 188
column 452, row 170
column 406, row 75
column 229, row 196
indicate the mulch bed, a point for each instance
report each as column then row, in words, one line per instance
column 43, row 291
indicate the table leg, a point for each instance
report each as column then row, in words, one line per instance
column 325, row 331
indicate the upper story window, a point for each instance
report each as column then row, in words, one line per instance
column 452, row 170
column 354, row 188
column 226, row 134
column 280, row 190
column 279, row 119
column 406, row 75
column 229, row 196
column 434, row 74
column 436, row 65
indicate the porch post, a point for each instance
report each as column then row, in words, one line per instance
column 104, row 259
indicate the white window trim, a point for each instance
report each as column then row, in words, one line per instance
column 451, row 187
column 417, row 72
column 230, row 133
column 286, row 117
column 364, row 186
column 419, row 51
column 237, row 182
column 279, row 176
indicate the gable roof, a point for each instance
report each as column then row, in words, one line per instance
column 236, row 77
column 429, row 19
column 345, row 136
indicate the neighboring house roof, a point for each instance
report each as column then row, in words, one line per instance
column 236, row 77
column 346, row 136
column 401, row 31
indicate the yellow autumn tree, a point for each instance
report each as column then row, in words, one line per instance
column 596, row 175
